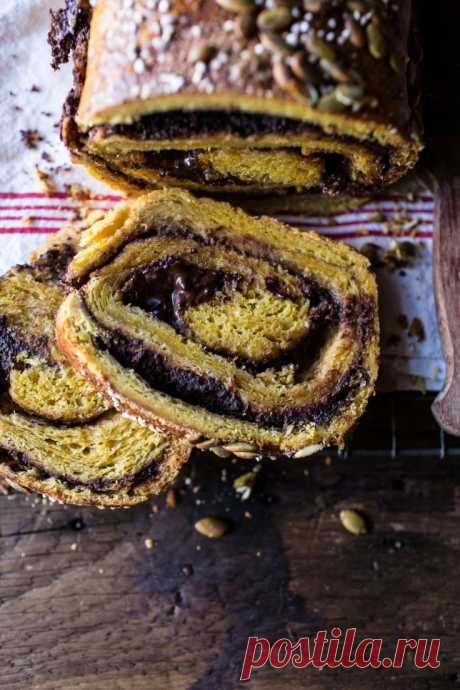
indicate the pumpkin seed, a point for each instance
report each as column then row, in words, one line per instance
column 357, row 36
column 349, row 94
column 245, row 482
column 303, row 69
column 376, row 41
column 277, row 19
column 275, row 43
column 283, row 76
column 212, row 527
column 320, row 48
column 334, row 70
column 329, row 103
column 220, row 452
column 240, row 448
column 245, row 455
column 353, row 522
column 395, row 63
column 308, row 450
column 204, row 445
column 309, row 92
column 236, row 5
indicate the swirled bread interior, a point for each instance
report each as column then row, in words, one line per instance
column 58, row 435
column 225, row 328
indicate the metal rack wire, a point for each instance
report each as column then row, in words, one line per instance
column 401, row 424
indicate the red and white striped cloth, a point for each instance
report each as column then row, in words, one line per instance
column 32, row 100
column 36, row 213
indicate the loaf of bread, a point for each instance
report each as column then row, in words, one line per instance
column 242, row 97
column 58, row 435
column 238, row 334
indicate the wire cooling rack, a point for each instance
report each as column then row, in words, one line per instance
column 401, row 424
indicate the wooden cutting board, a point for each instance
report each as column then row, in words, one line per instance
column 446, row 267
column 442, row 117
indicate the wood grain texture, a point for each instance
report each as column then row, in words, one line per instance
column 93, row 609
column 446, row 267
column 442, row 118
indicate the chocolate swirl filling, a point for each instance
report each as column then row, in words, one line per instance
column 166, row 289
column 53, row 423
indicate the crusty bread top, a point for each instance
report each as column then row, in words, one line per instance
column 142, row 58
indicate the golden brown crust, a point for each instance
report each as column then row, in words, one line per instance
column 128, row 74
column 346, row 71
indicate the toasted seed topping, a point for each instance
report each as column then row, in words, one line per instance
column 396, row 64
column 309, row 92
column 220, row 452
column 245, row 455
column 308, row 450
column 315, row 46
column 376, row 40
column 284, row 76
column 205, row 445
column 275, row 43
column 236, row 5
column 278, row 19
column 330, row 103
column 349, row 94
column 357, row 35
column 319, row 48
column 240, row 448
column 336, row 71
column 303, row 69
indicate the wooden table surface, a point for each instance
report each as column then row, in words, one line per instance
column 84, row 605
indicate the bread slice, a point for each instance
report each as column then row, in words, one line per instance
column 58, row 435
column 240, row 334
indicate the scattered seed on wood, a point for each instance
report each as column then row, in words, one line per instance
column 245, row 483
column 212, row 527
column 353, row 522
